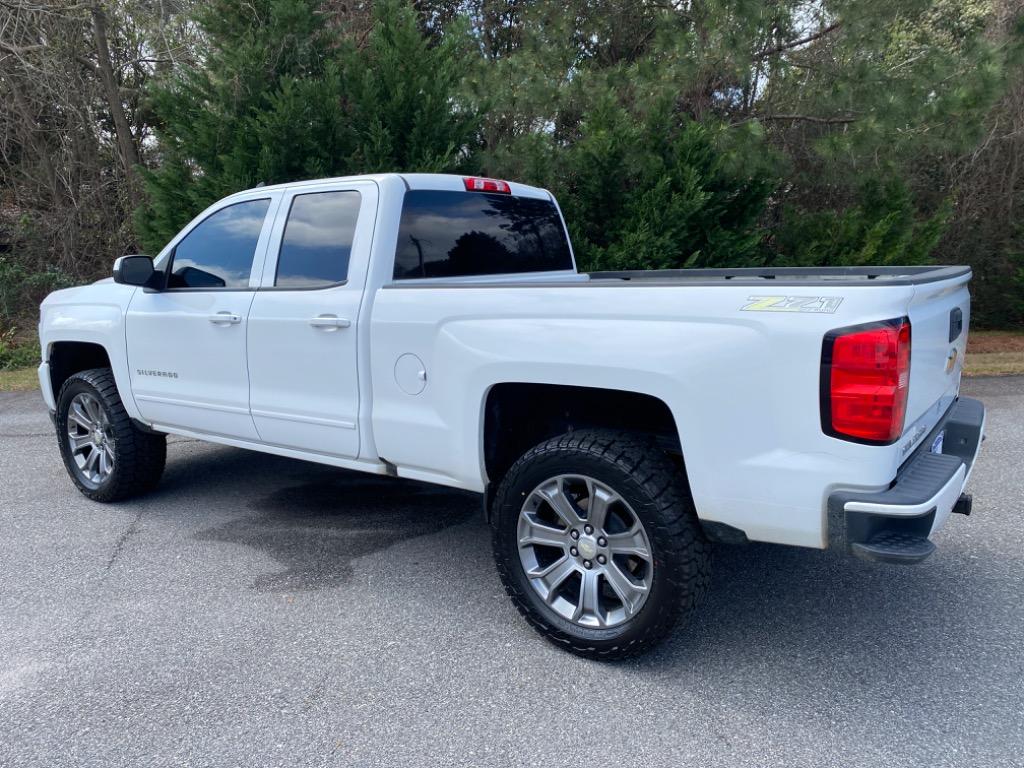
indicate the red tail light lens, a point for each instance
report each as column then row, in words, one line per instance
column 475, row 184
column 865, row 377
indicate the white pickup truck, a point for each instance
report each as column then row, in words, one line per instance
column 435, row 327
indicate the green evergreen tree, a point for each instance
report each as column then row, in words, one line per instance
column 650, row 189
column 280, row 96
column 654, row 191
column 883, row 227
column 262, row 106
column 400, row 91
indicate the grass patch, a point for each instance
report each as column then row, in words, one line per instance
column 995, row 353
column 19, row 380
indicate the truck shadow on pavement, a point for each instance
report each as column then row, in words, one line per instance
column 778, row 604
column 318, row 519
column 316, row 534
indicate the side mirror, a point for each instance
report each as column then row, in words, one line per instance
column 135, row 270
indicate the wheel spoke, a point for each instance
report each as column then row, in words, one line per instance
column 600, row 499
column 78, row 442
column 632, row 542
column 93, row 409
column 554, row 494
column 590, row 596
column 104, row 463
column 78, row 415
column 630, row 593
column 537, row 534
column 91, row 460
column 553, row 576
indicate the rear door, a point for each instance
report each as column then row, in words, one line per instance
column 186, row 344
column 304, row 387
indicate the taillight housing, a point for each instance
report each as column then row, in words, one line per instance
column 477, row 184
column 865, row 378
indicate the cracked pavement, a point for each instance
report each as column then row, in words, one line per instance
column 257, row 610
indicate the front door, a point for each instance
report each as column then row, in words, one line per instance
column 186, row 344
column 304, row 386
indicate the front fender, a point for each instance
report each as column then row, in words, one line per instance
column 92, row 314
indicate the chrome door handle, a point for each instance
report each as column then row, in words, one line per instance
column 225, row 318
column 329, row 322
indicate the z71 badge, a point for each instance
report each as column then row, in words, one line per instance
column 818, row 304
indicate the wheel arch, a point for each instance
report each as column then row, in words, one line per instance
column 518, row 415
column 66, row 358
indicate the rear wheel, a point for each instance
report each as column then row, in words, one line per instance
column 106, row 455
column 597, row 543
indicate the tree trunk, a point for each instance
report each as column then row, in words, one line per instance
column 125, row 140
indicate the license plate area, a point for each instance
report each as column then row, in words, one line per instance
column 936, row 446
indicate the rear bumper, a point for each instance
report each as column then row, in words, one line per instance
column 894, row 525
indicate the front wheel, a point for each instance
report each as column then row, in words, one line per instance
column 106, row 455
column 597, row 542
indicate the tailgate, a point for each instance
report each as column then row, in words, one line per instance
column 939, row 314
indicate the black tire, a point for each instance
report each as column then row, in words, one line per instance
column 656, row 490
column 139, row 456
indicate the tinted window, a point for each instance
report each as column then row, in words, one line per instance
column 449, row 234
column 218, row 252
column 317, row 240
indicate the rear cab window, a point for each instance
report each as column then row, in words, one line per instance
column 458, row 234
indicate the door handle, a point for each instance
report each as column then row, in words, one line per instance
column 225, row 318
column 329, row 322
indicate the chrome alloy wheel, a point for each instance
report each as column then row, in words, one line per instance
column 90, row 439
column 584, row 551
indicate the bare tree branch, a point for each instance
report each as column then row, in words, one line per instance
column 797, row 43
column 20, row 50
column 810, row 119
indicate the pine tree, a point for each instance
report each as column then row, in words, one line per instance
column 262, row 106
column 657, row 191
column 280, row 96
column 401, row 89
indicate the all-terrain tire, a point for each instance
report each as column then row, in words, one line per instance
column 138, row 456
column 656, row 490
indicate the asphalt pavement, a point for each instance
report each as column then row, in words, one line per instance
column 257, row 610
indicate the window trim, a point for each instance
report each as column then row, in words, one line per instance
column 324, row 287
column 284, row 231
column 259, row 252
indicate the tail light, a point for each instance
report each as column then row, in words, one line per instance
column 865, row 377
column 476, row 184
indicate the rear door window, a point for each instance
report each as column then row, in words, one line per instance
column 317, row 241
column 456, row 234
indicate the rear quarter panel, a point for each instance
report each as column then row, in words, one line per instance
column 743, row 386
